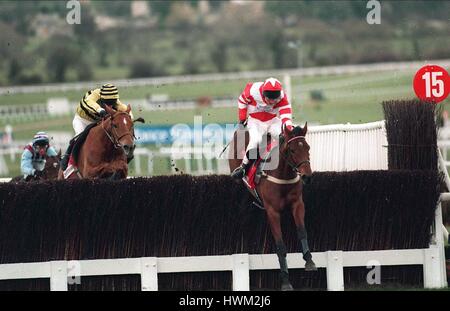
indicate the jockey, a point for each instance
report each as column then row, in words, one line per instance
column 268, row 111
column 33, row 156
column 91, row 110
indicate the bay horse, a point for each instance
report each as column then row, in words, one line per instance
column 282, row 188
column 107, row 148
column 50, row 171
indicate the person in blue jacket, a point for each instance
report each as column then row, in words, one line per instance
column 33, row 157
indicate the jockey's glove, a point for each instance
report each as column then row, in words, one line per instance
column 242, row 124
column 102, row 113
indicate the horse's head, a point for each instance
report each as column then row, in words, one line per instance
column 121, row 130
column 296, row 151
column 52, row 167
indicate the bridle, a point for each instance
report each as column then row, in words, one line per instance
column 112, row 133
column 295, row 167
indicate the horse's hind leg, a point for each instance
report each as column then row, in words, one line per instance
column 275, row 226
column 298, row 211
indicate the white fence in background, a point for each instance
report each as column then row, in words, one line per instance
column 300, row 72
column 347, row 147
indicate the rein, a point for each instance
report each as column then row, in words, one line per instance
column 292, row 165
column 113, row 137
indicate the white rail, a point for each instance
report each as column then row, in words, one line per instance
column 62, row 273
column 312, row 71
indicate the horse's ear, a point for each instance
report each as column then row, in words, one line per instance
column 305, row 129
column 128, row 108
column 109, row 110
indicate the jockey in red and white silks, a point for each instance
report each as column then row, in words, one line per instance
column 265, row 107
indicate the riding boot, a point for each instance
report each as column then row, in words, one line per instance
column 65, row 160
column 240, row 171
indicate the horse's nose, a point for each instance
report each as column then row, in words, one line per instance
column 306, row 179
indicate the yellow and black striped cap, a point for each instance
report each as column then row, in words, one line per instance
column 109, row 91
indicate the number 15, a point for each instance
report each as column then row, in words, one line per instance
column 433, row 85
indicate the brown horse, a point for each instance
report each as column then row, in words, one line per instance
column 107, row 148
column 50, row 171
column 281, row 188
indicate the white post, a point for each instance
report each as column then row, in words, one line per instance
column 440, row 243
column 150, row 163
column 200, row 168
column 241, row 272
column 431, row 268
column 137, row 165
column 287, row 85
column 335, row 271
column 187, row 163
column 443, row 169
column 149, row 274
column 58, row 277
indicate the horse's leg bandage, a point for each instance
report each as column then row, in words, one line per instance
column 282, row 252
column 303, row 238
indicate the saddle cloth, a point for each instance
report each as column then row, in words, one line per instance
column 78, row 142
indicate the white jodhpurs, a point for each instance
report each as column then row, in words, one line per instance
column 258, row 130
column 79, row 124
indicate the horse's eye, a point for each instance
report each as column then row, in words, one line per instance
column 114, row 126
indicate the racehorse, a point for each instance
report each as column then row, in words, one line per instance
column 281, row 188
column 50, row 171
column 108, row 147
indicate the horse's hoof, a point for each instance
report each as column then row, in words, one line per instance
column 286, row 287
column 310, row 266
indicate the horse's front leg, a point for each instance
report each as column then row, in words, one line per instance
column 298, row 211
column 273, row 217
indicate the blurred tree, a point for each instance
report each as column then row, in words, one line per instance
column 62, row 53
column 15, row 70
column 182, row 16
column 279, row 47
column 84, row 71
column 87, row 29
column 161, row 9
column 192, row 63
column 219, row 56
column 216, row 4
column 143, row 68
column 12, row 43
column 117, row 8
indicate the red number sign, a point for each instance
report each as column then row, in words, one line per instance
column 432, row 83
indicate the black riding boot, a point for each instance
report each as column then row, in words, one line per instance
column 240, row 171
column 65, row 160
